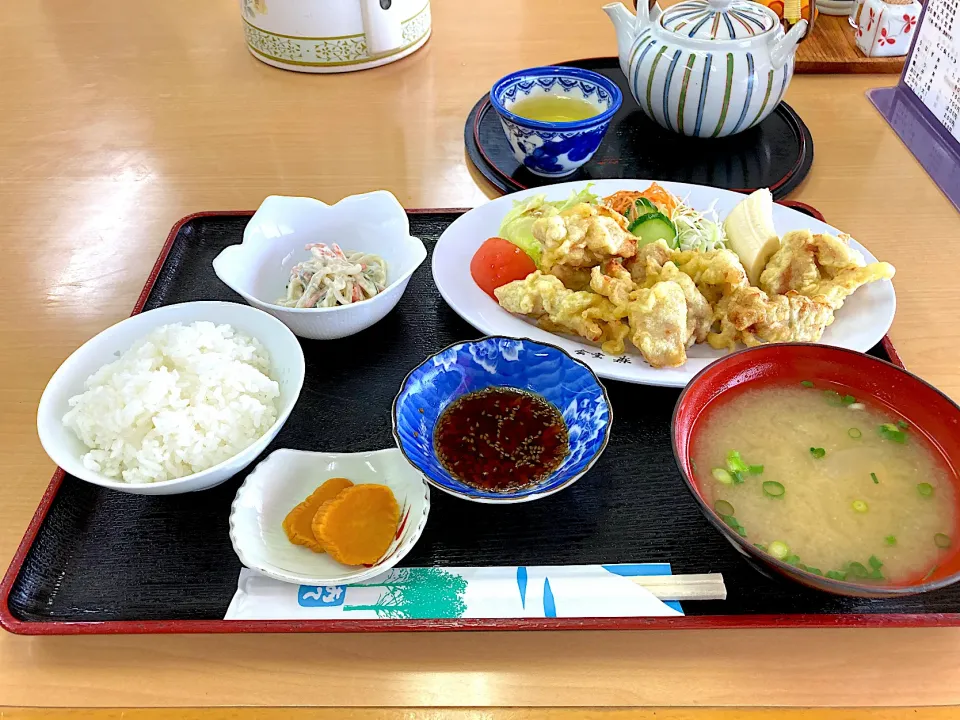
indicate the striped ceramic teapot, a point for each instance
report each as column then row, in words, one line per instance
column 705, row 68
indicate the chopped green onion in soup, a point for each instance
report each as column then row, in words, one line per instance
column 722, row 476
column 723, row 507
column 780, row 550
column 736, row 463
column 890, row 431
column 862, row 494
column 773, row 489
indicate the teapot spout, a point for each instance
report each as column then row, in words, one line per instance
column 783, row 49
column 625, row 25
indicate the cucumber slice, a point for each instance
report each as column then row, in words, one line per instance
column 652, row 227
column 640, row 207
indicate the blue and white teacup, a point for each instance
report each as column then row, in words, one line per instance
column 555, row 149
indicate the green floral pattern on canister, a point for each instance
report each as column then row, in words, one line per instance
column 273, row 46
column 333, row 51
column 340, row 51
column 416, row 27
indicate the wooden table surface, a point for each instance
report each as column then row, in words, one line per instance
column 120, row 117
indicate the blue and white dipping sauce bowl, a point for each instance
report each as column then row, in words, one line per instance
column 503, row 362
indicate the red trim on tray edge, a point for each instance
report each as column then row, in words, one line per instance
column 804, row 208
column 687, row 622
column 485, row 107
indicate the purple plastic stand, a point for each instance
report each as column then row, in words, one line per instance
column 930, row 141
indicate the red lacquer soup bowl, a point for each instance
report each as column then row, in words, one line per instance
column 928, row 411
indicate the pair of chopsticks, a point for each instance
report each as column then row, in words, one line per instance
column 706, row 586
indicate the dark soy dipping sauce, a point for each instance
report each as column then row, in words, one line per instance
column 501, row 439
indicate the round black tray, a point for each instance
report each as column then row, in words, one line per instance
column 776, row 154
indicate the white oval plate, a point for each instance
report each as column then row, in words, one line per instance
column 286, row 478
column 860, row 324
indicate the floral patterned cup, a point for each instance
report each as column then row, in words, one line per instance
column 555, row 149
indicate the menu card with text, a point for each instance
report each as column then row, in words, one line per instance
column 924, row 107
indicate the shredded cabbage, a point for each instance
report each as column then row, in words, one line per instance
column 698, row 230
column 517, row 225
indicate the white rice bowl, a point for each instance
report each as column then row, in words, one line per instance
column 182, row 399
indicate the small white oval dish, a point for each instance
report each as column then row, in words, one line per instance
column 286, row 478
column 275, row 240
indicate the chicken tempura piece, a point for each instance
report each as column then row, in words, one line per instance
column 558, row 309
column 611, row 340
column 613, row 281
column 845, row 283
column 752, row 317
column 821, row 267
column 658, row 324
column 717, row 273
column 699, row 311
column 648, row 260
column 573, row 278
column 582, row 236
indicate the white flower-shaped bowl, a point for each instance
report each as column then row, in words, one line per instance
column 66, row 449
column 275, row 240
column 286, row 478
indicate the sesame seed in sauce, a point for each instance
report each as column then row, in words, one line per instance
column 501, row 439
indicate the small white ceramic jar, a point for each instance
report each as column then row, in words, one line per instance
column 884, row 28
column 330, row 36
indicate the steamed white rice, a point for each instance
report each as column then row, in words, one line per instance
column 181, row 400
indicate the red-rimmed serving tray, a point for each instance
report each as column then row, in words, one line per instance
column 94, row 561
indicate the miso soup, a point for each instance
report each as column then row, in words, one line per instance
column 831, row 483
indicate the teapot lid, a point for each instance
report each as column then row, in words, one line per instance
column 719, row 19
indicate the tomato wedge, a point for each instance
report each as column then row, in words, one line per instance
column 498, row 262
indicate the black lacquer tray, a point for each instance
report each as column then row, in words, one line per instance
column 97, row 561
column 776, row 154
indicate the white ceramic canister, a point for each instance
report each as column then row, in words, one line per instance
column 328, row 36
column 837, row 8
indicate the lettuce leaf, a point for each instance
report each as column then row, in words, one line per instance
column 517, row 225
column 583, row 196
